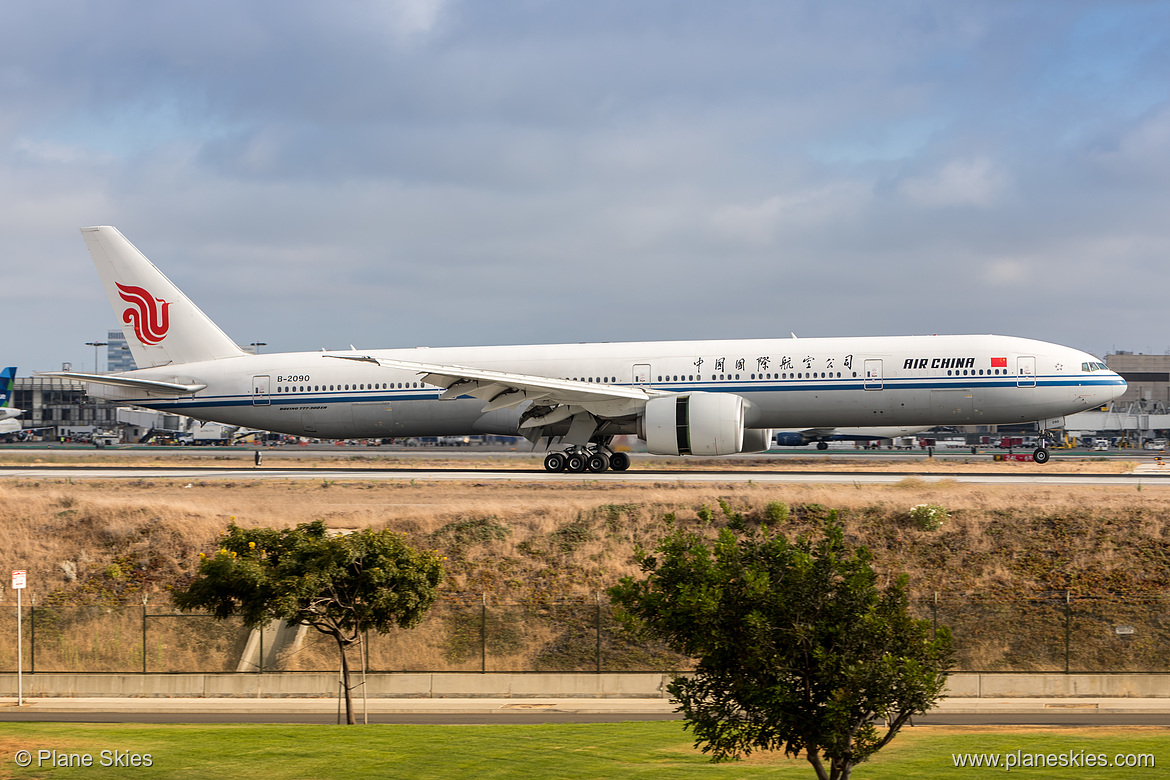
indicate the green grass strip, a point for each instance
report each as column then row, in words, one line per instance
column 586, row 751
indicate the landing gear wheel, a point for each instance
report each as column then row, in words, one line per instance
column 619, row 461
column 822, row 445
column 1040, row 455
column 554, row 461
column 597, row 462
column 574, row 462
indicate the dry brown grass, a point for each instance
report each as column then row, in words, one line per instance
column 541, row 544
column 948, row 462
column 49, row 526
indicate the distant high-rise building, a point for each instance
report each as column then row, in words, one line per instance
column 118, row 357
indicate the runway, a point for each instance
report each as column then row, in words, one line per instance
column 1142, row 476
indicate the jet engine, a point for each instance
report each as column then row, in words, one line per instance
column 757, row 440
column 694, row 424
column 791, row 439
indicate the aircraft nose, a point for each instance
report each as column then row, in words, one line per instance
column 1118, row 389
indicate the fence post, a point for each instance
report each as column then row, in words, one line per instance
column 483, row 633
column 934, row 613
column 144, row 597
column 599, row 632
column 1067, row 627
column 32, row 636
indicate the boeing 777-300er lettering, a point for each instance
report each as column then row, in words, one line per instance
column 680, row 397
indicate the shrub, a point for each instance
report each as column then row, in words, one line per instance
column 776, row 512
column 929, row 517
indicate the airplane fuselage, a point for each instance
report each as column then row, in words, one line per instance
column 787, row 383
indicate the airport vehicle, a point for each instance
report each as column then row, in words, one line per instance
column 681, row 397
column 8, row 415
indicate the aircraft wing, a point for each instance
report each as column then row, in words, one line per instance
column 553, row 399
column 154, row 386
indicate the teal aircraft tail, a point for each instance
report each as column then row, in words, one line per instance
column 7, row 378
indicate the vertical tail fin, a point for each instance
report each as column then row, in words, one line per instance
column 160, row 323
column 7, row 379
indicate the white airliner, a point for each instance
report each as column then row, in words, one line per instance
column 681, row 397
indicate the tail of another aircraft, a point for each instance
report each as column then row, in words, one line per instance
column 162, row 326
column 7, row 379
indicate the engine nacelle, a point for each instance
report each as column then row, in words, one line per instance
column 694, row 424
column 790, row 439
column 757, row 440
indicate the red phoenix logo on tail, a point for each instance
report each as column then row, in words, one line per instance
column 151, row 321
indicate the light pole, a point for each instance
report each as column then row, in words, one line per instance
column 255, row 345
column 95, row 345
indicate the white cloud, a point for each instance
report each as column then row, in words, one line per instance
column 60, row 154
column 761, row 223
column 970, row 182
column 1006, row 272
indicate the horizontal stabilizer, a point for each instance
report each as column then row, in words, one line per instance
column 153, row 386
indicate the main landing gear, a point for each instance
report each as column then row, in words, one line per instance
column 578, row 460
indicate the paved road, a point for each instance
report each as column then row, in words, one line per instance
column 1050, row 712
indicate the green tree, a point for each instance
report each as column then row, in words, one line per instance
column 341, row 585
column 797, row 646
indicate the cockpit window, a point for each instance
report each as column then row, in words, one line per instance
column 1088, row 367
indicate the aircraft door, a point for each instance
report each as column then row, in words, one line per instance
column 260, row 390
column 641, row 373
column 873, row 375
column 1025, row 371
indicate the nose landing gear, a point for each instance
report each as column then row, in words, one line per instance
column 1040, row 455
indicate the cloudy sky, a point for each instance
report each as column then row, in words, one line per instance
column 444, row 172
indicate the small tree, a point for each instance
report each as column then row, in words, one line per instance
column 797, row 647
column 342, row 585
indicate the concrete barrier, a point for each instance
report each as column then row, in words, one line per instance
column 1055, row 686
column 505, row 685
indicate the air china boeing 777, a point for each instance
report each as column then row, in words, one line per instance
column 680, row 397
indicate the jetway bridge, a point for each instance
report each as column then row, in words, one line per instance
column 1137, row 420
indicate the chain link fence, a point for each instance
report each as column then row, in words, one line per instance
column 1056, row 632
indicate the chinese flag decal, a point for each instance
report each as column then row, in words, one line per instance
column 999, row 362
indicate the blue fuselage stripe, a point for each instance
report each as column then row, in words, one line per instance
column 732, row 386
